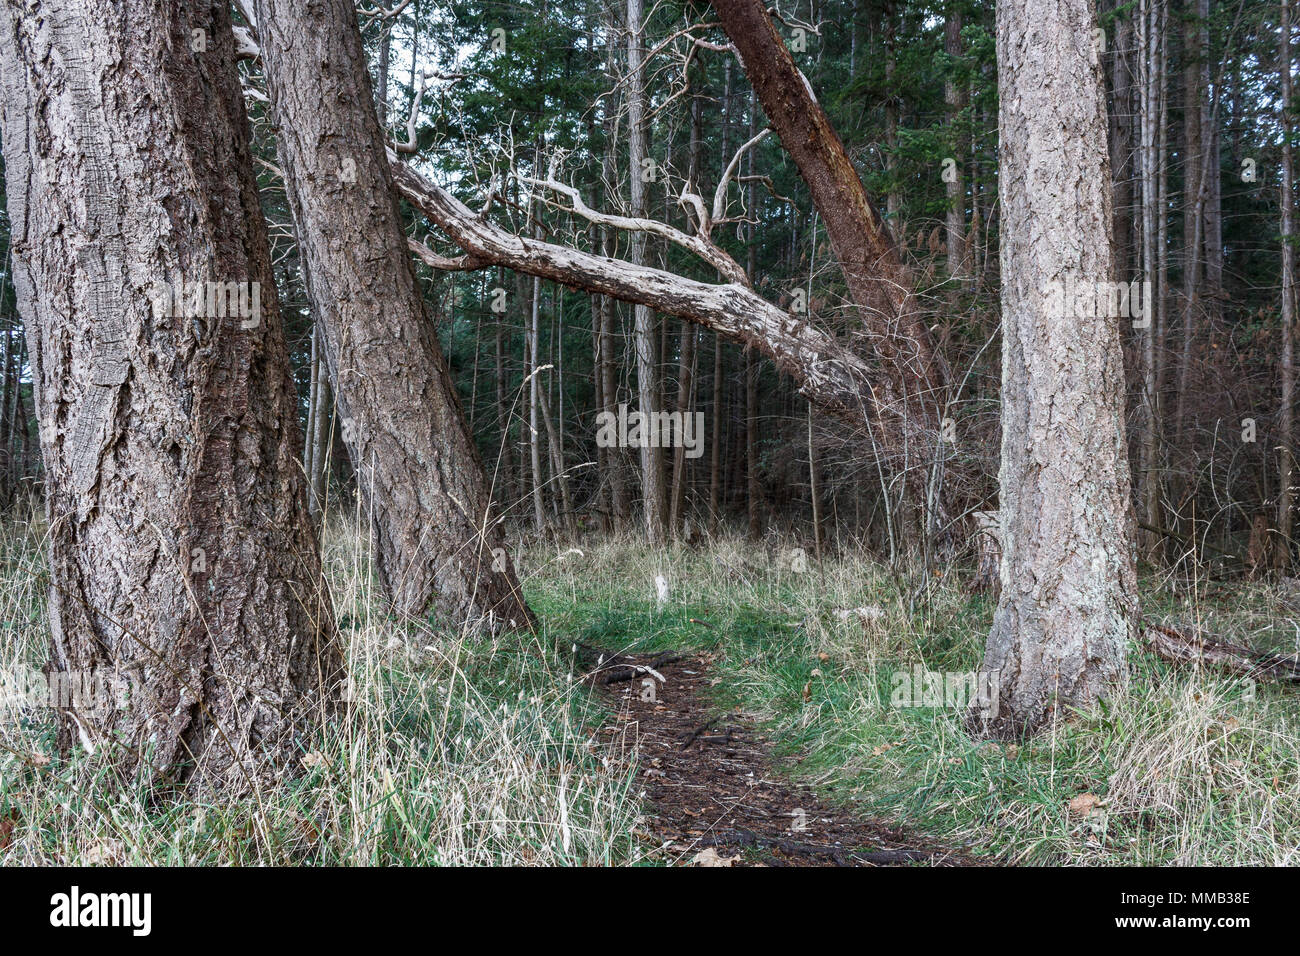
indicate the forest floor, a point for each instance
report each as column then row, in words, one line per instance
column 715, row 795
column 789, row 727
column 825, row 662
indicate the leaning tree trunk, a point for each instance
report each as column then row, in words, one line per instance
column 182, row 560
column 909, row 397
column 1067, row 607
column 416, row 463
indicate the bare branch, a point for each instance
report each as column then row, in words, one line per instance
column 465, row 263
column 698, row 245
column 829, row 372
column 720, row 194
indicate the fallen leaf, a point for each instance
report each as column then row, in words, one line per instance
column 807, row 692
column 710, row 857
column 1085, row 803
column 7, row 826
column 105, row 853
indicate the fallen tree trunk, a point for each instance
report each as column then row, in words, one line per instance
column 1174, row 645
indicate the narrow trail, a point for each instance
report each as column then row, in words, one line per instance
column 713, row 791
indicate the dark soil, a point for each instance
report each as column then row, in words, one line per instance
column 711, row 783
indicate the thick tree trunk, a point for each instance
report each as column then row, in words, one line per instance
column 182, row 559
column 417, row 466
column 1067, row 608
column 913, row 383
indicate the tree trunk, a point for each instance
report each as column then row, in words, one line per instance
column 1194, row 179
column 416, row 463
column 534, row 405
column 322, row 429
column 956, row 217
column 1067, row 607
column 182, row 559
column 1286, row 417
column 1151, row 74
column 647, row 359
column 911, row 389
column 1121, row 142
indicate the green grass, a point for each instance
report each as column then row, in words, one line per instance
column 1187, row 767
column 481, row 751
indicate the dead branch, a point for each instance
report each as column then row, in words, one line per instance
column 829, row 372
column 699, row 245
column 1183, row 648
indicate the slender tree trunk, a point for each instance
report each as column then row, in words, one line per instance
column 534, row 406
column 1212, row 204
column 381, row 74
column 1121, row 142
column 647, row 361
column 1151, row 42
column 716, row 443
column 1154, row 487
column 1286, row 416
column 615, row 458
column 753, row 487
column 322, row 429
column 437, row 543
column 1194, row 178
column 1067, row 607
column 956, row 190
column 182, row 559
column 893, row 195
column 503, row 474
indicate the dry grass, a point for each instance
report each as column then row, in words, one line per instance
column 479, row 752
column 459, row 752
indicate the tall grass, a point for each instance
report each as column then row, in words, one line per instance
column 481, row 751
column 458, row 751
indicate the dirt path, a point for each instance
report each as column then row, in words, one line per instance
column 711, row 786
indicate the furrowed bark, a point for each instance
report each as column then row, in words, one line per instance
column 182, row 560
column 417, row 466
column 1067, row 609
